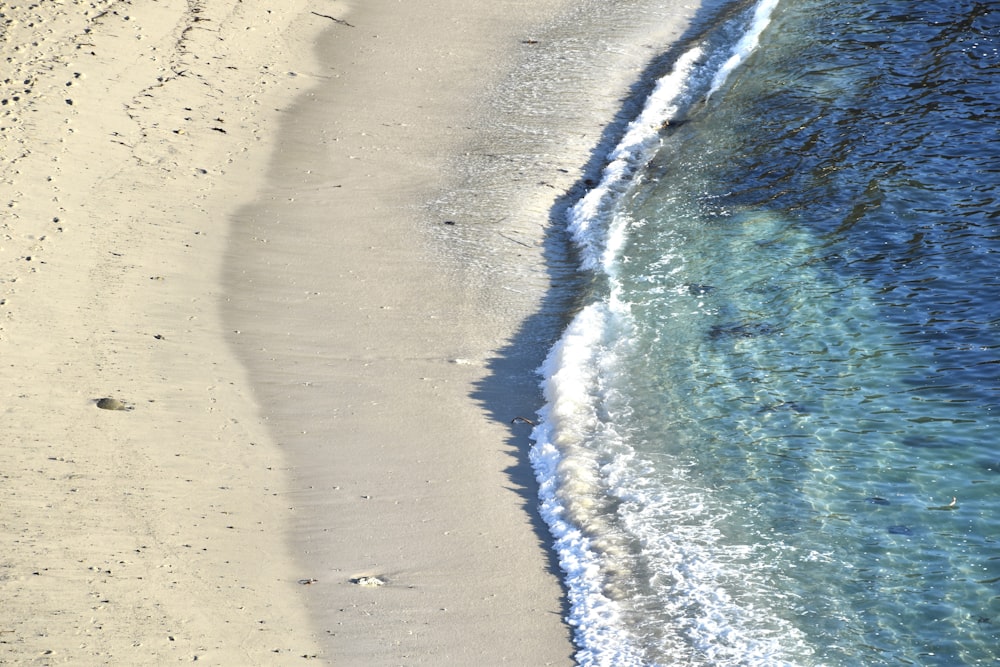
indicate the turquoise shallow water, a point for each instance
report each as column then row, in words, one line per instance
column 770, row 434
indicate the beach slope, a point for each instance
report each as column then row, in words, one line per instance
column 395, row 286
column 308, row 251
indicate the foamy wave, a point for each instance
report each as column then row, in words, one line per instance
column 584, row 468
column 598, row 244
column 747, row 45
column 576, row 488
column 568, row 475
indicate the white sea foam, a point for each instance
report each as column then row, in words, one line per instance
column 585, row 221
column 583, row 466
column 568, row 476
column 747, row 44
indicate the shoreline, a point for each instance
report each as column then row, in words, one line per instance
column 406, row 303
column 262, row 250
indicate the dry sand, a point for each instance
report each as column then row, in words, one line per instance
column 304, row 245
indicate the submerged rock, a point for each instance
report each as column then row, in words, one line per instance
column 741, row 330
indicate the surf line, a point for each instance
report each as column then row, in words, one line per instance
column 572, row 399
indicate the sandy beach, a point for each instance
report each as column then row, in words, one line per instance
column 312, row 253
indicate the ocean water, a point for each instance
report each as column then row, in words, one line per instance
column 771, row 430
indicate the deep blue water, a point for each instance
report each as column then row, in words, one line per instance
column 771, row 434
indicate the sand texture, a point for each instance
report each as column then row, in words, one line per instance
column 274, row 278
column 153, row 534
